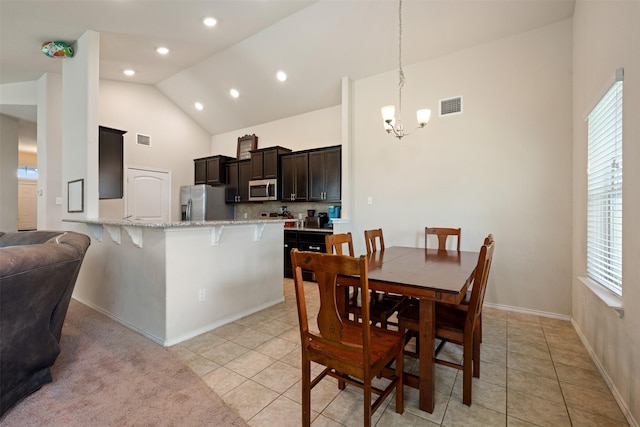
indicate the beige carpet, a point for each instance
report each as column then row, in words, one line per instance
column 108, row 375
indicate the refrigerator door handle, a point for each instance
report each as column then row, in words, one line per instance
column 189, row 203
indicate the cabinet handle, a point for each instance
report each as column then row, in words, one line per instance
column 316, row 248
column 286, row 246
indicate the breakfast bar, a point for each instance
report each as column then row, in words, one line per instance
column 173, row 281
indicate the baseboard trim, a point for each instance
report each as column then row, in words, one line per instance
column 614, row 391
column 123, row 322
column 528, row 311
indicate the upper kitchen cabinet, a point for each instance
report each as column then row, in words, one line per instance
column 110, row 163
column 211, row 170
column 265, row 162
column 238, row 174
column 294, row 176
column 325, row 174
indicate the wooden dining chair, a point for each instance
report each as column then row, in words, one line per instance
column 383, row 304
column 459, row 324
column 352, row 352
column 442, row 234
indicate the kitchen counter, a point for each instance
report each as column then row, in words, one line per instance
column 176, row 280
column 176, row 224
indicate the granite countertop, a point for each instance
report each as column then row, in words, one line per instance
column 174, row 224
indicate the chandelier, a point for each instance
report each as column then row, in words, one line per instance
column 391, row 122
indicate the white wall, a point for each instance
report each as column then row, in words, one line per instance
column 501, row 167
column 310, row 130
column 175, row 139
column 50, row 152
column 607, row 37
column 8, row 174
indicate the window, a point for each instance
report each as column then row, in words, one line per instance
column 27, row 172
column 604, row 189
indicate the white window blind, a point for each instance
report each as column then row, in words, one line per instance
column 604, row 189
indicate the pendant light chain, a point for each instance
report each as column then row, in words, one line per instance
column 400, row 72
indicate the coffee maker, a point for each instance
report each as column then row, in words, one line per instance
column 323, row 220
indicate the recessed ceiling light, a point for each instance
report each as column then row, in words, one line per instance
column 199, row 106
column 209, row 21
column 234, row 93
column 129, row 72
column 281, row 75
column 162, row 50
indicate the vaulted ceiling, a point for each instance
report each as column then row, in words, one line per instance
column 316, row 42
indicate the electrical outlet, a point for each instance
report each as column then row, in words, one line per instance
column 58, row 200
column 201, row 295
column 369, row 200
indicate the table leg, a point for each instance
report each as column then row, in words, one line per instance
column 427, row 367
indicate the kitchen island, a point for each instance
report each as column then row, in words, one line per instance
column 173, row 281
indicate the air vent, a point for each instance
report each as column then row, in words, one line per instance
column 451, row 106
column 143, row 140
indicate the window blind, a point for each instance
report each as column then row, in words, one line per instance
column 604, row 189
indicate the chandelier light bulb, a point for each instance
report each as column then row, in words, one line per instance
column 388, row 113
column 423, row 116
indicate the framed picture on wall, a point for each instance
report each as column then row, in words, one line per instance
column 245, row 145
column 75, row 196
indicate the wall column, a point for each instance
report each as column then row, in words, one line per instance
column 80, row 96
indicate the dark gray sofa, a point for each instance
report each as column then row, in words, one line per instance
column 38, row 271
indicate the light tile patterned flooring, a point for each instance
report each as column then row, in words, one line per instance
column 534, row 372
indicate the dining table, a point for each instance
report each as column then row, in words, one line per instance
column 429, row 275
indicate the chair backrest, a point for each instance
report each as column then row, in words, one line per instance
column 481, row 276
column 442, row 234
column 335, row 244
column 327, row 267
column 370, row 237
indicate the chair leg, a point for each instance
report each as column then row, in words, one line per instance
column 367, row 403
column 306, row 392
column 476, row 351
column 467, row 361
column 400, row 386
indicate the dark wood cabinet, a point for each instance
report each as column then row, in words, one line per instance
column 211, row 170
column 294, row 177
column 325, row 174
column 110, row 163
column 265, row 162
column 200, row 171
column 305, row 241
column 238, row 174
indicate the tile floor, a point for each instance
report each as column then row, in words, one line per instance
column 535, row 372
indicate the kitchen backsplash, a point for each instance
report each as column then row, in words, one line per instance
column 255, row 210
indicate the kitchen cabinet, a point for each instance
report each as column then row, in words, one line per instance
column 303, row 240
column 110, row 163
column 265, row 162
column 238, row 174
column 211, row 170
column 325, row 174
column 294, row 177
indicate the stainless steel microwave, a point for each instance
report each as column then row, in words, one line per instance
column 263, row 189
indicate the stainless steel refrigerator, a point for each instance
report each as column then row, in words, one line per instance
column 204, row 203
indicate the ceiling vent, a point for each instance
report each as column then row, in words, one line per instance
column 451, row 106
column 143, row 140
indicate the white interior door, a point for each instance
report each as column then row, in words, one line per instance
column 148, row 195
column 27, row 205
